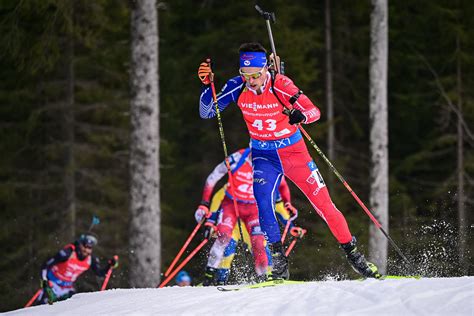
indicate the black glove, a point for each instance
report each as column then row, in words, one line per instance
column 49, row 291
column 44, row 284
column 113, row 263
column 209, row 229
column 296, row 116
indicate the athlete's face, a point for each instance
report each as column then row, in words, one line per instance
column 184, row 283
column 86, row 250
column 254, row 76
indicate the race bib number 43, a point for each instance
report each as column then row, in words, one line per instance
column 269, row 125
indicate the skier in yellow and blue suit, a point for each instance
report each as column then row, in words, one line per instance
column 284, row 210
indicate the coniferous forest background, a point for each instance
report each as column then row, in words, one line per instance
column 65, row 127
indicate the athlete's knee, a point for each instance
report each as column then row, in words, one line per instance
column 224, row 231
column 328, row 208
column 324, row 203
column 255, row 229
column 224, row 238
column 260, row 192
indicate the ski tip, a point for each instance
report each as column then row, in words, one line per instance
column 223, row 289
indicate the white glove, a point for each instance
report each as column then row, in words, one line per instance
column 201, row 213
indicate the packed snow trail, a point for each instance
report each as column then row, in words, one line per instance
column 435, row 296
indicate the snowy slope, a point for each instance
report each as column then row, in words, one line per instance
column 436, row 296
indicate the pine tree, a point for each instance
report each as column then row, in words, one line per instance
column 379, row 131
column 145, row 252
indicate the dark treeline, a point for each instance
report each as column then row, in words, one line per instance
column 64, row 126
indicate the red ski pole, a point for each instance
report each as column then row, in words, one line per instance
column 107, row 276
column 186, row 244
column 189, row 257
column 354, row 195
column 290, row 247
column 35, row 296
column 271, row 15
column 287, row 226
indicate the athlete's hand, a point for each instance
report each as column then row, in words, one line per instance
column 209, row 230
column 296, row 116
column 113, row 262
column 201, row 213
column 205, row 73
column 44, row 284
column 291, row 209
column 48, row 291
column 297, row 232
column 275, row 62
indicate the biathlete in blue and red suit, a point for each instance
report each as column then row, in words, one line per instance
column 225, row 217
column 278, row 148
column 60, row 272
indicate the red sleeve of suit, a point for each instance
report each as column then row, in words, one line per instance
column 285, row 89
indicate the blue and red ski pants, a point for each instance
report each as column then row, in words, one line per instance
column 290, row 157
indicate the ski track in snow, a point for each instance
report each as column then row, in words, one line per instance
column 435, row 296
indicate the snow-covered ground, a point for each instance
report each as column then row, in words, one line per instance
column 436, row 296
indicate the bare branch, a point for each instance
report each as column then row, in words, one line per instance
column 444, row 94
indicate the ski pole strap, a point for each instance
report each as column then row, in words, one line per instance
column 205, row 203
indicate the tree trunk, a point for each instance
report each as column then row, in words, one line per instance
column 69, row 121
column 379, row 131
column 462, row 220
column 329, row 90
column 145, row 240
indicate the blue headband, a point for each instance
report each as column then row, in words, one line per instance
column 253, row 59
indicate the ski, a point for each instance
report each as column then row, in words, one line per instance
column 394, row 277
column 260, row 285
column 286, row 282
